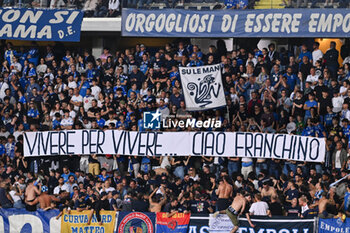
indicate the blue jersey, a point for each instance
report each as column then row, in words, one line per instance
column 140, row 125
column 32, row 72
column 306, row 54
column 242, row 4
column 101, row 122
column 83, row 89
column 230, row 3
column 55, row 123
column 319, row 130
column 310, row 104
column 10, row 149
column 33, row 113
column 144, row 67
column 90, row 74
column 308, row 131
column 328, row 118
column 2, row 149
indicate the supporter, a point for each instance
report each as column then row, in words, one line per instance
column 259, row 208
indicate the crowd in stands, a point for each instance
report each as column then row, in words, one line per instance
column 266, row 90
column 112, row 8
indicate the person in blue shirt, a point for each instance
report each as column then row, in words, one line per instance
column 33, row 54
column 346, row 128
column 144, row 64
column 292, row 79
column 174, row 75
column 242, row 4
column 66, row 174
column 319, row 129
column 33, row 113
column 311, row 103
column 100, row 121
column 32, row 71
column 304, row 52
column 103, row 176
column 10, row 147
column 328, row 118
column 22, row 56
column 83, row 85
column 57, row 121
column 9, row 53
column 309, row 129
column 275, row 75
column 230, row 4
column 90, row 72
column 195, row 61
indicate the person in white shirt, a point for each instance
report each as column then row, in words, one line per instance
column 60, row 187
column 259, row 208
column 77, row 99
column 88, row 100
column 312, row 77
column 337, row 102
column 303, row 204
column 16, row 67
column 95, row 89
column 345, row 112
column 67, row 121
column 317, row 53
column 71, row 82
column 111, row 119
column 163, row 109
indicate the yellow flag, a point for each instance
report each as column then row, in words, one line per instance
column 77, row 222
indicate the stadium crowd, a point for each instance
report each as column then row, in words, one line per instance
column 266, row 91
column 112, row 8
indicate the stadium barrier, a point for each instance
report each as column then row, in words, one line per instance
column 20, row 220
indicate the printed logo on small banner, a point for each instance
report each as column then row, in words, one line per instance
column 136, row 222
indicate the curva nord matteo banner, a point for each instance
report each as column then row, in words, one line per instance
column 229, row 144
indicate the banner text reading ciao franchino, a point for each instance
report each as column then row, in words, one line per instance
column 240, row 144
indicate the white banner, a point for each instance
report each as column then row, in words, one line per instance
column 226, row 144
column 222, row 223
column 202, row 87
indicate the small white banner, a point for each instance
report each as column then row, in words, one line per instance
column 202, row 87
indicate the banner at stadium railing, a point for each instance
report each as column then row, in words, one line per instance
column 236, row 23
column 178, row 223
column 202, row 87
column 222, row 223
column 136, row 222
column 226, row 144
column 20, row 220
column 76, row 222
column 199, row 223
column 331, row 225
column 40, row 24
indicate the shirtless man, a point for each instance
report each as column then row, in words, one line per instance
column 224, row 192
column 155, row 204
column 322, row 206
column 31, row 194
column 267, row 191
column 234, row 210
column 45, row 199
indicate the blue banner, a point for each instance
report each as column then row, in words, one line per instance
column 331, row 225
column 20, row 220
column 40, row 24
column 135, row 222
column 234, row 23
